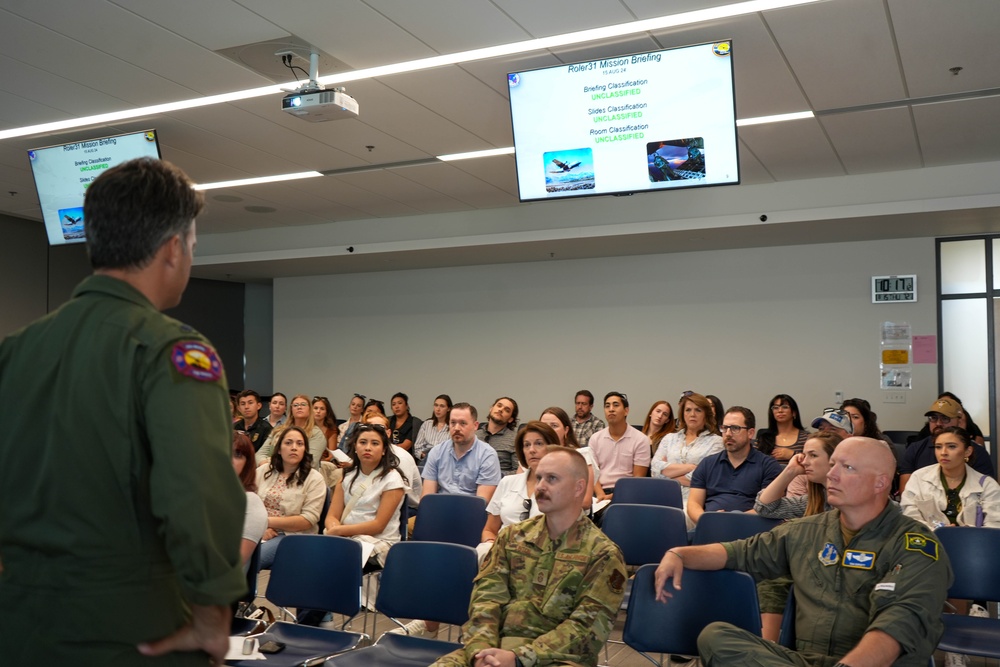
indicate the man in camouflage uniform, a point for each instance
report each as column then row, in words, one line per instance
column 869, row 582
column 551, row 586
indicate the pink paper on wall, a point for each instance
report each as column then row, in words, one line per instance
column 925, row 349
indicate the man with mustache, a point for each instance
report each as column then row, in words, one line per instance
column 551, row 586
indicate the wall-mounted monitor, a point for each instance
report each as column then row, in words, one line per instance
column 625, row 124
column 62, row 174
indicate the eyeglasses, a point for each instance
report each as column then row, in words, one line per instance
column 300, row 405
column 733, row 429
column 685, row 394
column 320, row 398
column 370, row 427
column 939, row 419
column 780, row 407
column 527, row 508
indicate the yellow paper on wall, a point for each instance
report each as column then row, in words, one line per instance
column 895, row 357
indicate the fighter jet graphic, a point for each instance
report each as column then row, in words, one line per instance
column 563, row 167
column 71, row 220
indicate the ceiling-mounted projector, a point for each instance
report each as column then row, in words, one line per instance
column 317, row 106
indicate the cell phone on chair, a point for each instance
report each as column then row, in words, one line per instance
column 272, row 646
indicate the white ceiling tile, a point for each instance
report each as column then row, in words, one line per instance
column 553, row 17
column 846, row 58
column 959, row 132
column 213, row 24
column 872, row 141
column 498, row 171
column 934, row 36
column 461, row 185
column 792, row 150
column 482, row 24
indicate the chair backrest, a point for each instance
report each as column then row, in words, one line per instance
column 786, row 637
column 644, row 532
column 326, row 508
column 901, row 437
column 428, row 580
column 450, row 517
column 303, row 574
column 728, row 526
column 973, row 555
column 706, row 597
column 648, row 491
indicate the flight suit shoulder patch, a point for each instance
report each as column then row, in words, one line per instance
column 922, row 544
column 196, row 360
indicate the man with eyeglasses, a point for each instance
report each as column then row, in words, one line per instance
column 248, row 403
column 730, row 480
column 944, row 412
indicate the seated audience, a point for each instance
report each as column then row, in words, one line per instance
column 680, row 452
column 585, row 422
column 784, row 436
column 551, row 587
column 407, row 466
column 514, row 499
column 498, row 432
column 963, row 421
column 248, row 403
column 403, row 426
column 659, row 422
column 255, row 516
column 944, row 412
column 864, row 422
column 277, row 407
column 354, row 410
column 619, row 450
column 869, row 582
column 836, row 421
column 374, row 405
column 293, row 492
column 433, row 431
column 717, row 409
column 730, row 480
column 366, row 505
column 325, row 420
column 302, row 416
column 559, row 421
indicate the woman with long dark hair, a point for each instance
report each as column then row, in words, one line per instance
column 784, row 436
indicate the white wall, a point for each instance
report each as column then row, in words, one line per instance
column 742, row 324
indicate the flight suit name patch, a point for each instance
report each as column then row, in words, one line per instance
column 859, row 560
column 925, row 545
column 197, row 361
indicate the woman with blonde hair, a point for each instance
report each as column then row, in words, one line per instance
column 301, row 416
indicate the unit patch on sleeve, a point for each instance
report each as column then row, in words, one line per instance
column 197, row 361
column 925, row 545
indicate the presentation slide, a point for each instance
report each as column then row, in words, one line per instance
column 649, row 121
column 62, row 174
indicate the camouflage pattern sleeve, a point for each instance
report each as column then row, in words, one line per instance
column 588, row 598
column 490, row 595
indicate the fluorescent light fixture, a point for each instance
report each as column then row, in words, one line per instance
column 257, row 181
column 555, row 41
column 779, row 118
column 509, row 150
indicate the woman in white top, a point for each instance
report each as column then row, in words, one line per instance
column 366, row 505
column 952, row 493
column 433, row 431
column 277, row 409
column 302, row 416
column 514, row 499
column 559, row 421
column 292, row 491
column 255, row 517
column 680, row 453
column 355, row 408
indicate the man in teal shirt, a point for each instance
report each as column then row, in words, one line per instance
column 120, row 524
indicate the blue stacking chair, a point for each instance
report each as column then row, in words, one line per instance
column 973, row 554
column 644, row 532
column 450, row 517
column 722, row 595
column 249, row 626
column 426, row 580
column 728, row 526
column 300, row 577
column 326, row 508
column 648, row 491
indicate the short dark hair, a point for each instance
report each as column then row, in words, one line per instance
column 748, row 419
column 248, row 392
column 619, row 395
column 585, row 392
column 132, row 209
column 399, row 394
column 465, row 406
column 513, row 412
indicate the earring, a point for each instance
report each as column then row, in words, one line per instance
column 966, row 459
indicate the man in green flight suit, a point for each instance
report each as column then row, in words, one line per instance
column 550, row 587
column 120, row 514
column 870, row 583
